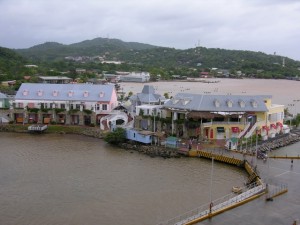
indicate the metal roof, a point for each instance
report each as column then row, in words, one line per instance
column 218, row 103
column 65, row 92
column 2, row 96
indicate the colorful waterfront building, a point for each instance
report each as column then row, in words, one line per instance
column 75, row 104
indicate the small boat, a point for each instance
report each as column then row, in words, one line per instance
column 237, row 190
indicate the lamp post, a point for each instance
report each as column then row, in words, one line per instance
column 211, row 183
column 153, row 113
column 256, row 141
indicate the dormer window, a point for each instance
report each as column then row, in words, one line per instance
column 242, row 104
column 175, row 101
column 254, row 104
column 101, row 94
column 40, row 93
column 70, row 93
column 185, row 102
column 217, row 103
column 55, row 93
column 25, row 92
column 85, row 94
column 229, row 103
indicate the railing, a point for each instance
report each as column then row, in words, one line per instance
column 217, row 205
column 244, row 131
column 275, row 189
column 222, row 123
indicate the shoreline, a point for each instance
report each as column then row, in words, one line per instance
column 154, row 150
column 55, row 129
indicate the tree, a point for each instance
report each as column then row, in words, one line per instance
column 116, row 137
column 166, row 95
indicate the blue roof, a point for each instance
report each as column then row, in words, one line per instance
column 2, row 96
column 65, row 92
column 218, row 103
column 147, row 95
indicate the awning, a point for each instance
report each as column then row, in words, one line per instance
column 273, row 126
column 279, row 124
column 265, row 127
column 235, row 129
column 220, row 130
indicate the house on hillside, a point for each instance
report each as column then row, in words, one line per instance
column 136, row 77
column 54, row 80
column 78, row 104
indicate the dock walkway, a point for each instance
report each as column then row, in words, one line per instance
column 255, row 188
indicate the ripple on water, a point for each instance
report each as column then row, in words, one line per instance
column 68, row 179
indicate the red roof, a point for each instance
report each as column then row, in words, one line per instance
column 204, row 73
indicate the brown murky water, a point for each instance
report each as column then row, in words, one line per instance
column 67, row 179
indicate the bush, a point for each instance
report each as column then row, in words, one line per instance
column 87, row 111
column 116, row 137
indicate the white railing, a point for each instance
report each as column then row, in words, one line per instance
column 217, row 205
column 244, row 131
column 222, row 123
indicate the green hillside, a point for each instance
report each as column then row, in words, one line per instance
column 52, row 51
column 10, row 62
column 166, row 61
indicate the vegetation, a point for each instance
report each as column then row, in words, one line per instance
column 116, row 137
column 53, row 59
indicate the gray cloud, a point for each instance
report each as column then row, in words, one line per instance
column 259, row 25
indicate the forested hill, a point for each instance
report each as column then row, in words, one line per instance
column 146, row 57
column 53, row 51
column 10, row 61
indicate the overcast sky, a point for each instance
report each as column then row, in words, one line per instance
column 258, row 25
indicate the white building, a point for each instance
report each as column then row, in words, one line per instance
column 100, row 99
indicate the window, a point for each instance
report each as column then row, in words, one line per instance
column 55, row 93
column 104, row 107
column 98, row 107
column 217, row 103
column 229, row 103
column 85, row 94
column 62, row 106
column 242, row 104
column 77, row 106
column 174, row 101
column 25, row 92
column 40, row 93
column 101, row 94
column 254, row 104
column 70, row 93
